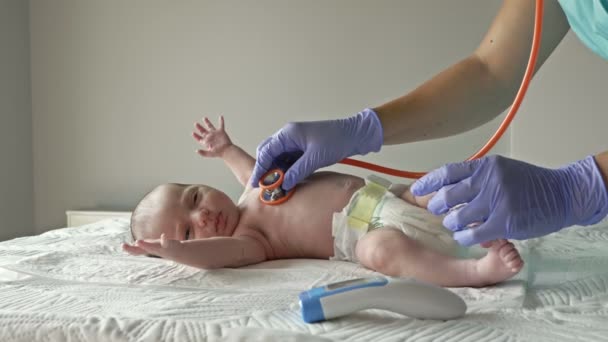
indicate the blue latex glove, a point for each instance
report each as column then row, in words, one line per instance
column 512, row 199
column 323, row 143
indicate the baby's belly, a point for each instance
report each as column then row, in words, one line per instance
column 304, row 222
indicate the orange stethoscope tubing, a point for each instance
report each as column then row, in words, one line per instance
column 538, row 24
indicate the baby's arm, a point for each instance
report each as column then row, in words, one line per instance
column 210, row 253
column 217, row 143
column 240, row 163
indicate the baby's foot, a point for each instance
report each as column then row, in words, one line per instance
column 419, row 201
column 501, row 263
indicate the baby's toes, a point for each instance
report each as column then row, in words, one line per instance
column 506, row 248
column 497, row 244
column 510, row 257
column 515, row 265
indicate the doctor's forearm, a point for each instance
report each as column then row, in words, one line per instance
column 458, row 99
column 480, row 87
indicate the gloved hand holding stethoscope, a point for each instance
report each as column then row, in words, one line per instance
column 504, row 198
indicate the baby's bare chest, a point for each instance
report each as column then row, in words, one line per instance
column 304, row 221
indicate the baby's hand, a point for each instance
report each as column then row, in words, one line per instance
column 163, row 247
column 214, row 141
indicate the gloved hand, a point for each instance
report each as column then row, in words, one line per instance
column 512, row 199
column 323, row 143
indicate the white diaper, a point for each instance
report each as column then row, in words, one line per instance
column 377, row 206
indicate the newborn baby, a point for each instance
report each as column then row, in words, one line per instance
column 330, row 216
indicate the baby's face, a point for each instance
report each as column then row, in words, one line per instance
column 187, row 212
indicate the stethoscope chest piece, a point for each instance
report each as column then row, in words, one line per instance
column 271, row 192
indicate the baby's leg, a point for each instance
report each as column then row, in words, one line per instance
column 391, row 252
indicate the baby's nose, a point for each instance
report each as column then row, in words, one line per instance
column 201, row 217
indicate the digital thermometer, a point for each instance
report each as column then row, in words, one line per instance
column 406, row 296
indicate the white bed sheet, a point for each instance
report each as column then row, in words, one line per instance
column 75, row 284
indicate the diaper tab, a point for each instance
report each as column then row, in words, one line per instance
column 361, row 209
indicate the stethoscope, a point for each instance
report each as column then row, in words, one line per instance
column 270, row 183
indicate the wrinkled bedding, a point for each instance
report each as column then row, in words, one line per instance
column 76, row 284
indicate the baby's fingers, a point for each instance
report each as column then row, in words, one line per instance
column 133, row 250
column 209, row 124
column 152, row 247
column 200, row 128
column 221, row 123
column 202, row 141
column 163, row 247
column 169, row 244
column 197, row 136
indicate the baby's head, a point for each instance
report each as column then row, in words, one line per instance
column 184, row 212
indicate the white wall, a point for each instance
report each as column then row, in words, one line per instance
column 16, row 212
column 117, row 84
column 565, row 115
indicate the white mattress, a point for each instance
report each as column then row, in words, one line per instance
column 75, row 284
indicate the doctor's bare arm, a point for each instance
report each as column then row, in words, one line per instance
column 481, row 86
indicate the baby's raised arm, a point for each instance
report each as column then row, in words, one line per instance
column 217, row 143
column 209, row 253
